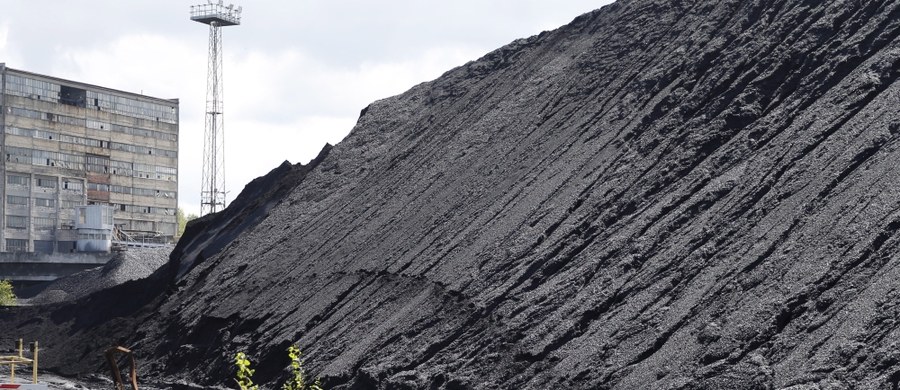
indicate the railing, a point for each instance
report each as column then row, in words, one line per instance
column 13, row 361
column 216, row 12
column 138, row 239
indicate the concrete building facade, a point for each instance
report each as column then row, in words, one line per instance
column 67, row 144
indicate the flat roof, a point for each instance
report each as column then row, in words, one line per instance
column 73, row 83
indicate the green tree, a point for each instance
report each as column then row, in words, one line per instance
column 7, row 297
column 183, row 220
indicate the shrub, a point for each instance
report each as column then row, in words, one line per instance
column 7, row 297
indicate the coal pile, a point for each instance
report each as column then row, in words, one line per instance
column 133, row 264
column 661, row 194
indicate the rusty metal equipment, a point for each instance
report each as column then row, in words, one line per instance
column 12, row 361
column 117, row 375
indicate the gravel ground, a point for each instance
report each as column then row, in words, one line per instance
column 56, row 382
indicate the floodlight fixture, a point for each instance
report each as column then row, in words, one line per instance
column 219, row 14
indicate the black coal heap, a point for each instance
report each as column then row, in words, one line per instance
column 660, row 195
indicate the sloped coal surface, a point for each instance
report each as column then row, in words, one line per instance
column 133, row 264
column 74, row 335
column 208, row 235
column 662, row 194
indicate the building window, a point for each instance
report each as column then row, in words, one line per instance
column 93, row 236
column 46, row 182
column 65, row 246
column 71, row 204
column 16, row 200
column 73, row 185
column 98, row 187
column 43, row 246
column 15, row 245
column 18, row 180
column 41, row 223
column 98, row 164
column 41, row 202
column 16, row 222
column 72, row 96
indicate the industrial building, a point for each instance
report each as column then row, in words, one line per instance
column 67, row 144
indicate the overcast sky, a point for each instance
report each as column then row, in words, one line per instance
column 297, row 72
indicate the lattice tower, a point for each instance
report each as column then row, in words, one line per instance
column 212, row 186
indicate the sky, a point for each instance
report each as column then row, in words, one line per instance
column 296, row 72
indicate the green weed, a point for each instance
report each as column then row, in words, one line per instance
column 244, row 372
column 298, row 380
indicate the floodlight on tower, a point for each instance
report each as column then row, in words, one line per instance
column 212, row 186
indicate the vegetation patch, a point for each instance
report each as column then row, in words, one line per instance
column 7, row 296
column 298, row 380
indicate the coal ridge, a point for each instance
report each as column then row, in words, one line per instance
column 661, row 194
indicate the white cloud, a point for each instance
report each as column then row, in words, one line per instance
column 153, row 65
column 4, row 35
column 145, row 63
column 283, row 85
column 7, row 54
column 271, row 117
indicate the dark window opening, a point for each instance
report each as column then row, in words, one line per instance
column 72, row 96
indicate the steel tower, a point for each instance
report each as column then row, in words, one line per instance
column 212, row 186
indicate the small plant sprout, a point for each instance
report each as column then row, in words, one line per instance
column 296, row 382
column 298, row 379
column 244, row 372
